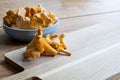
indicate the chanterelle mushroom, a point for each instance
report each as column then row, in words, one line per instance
column 40, row 45
column 30, row 18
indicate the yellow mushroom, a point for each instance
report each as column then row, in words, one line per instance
column 8, row 19
column 58, row 44
column 40, row 46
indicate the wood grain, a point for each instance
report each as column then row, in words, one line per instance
column 95, row 67
column 66, row 25
column 98, row 67
column 74, row 15
column 91, row 58
column 94, row 35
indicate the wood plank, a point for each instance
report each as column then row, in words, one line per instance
column 98, row 67
column 94, row 35
column 114, row 77
column 64, row 8
column 72, row 24
column 66, row 25
column 73, row 8
column 6, row 70
column 95, row 55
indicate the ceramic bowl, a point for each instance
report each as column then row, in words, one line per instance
column 28, row 34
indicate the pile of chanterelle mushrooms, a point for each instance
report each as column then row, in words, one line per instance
column 51, row 44
column 30, row 18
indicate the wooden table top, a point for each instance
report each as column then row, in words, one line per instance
column 73, row 14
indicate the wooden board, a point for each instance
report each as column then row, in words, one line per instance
column 93, row 46
column 66, row 25
column 114, row 77
column 98, row 66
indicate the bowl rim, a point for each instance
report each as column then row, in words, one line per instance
column 4, row 25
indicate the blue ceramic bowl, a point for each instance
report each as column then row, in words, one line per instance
column 28, row 34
